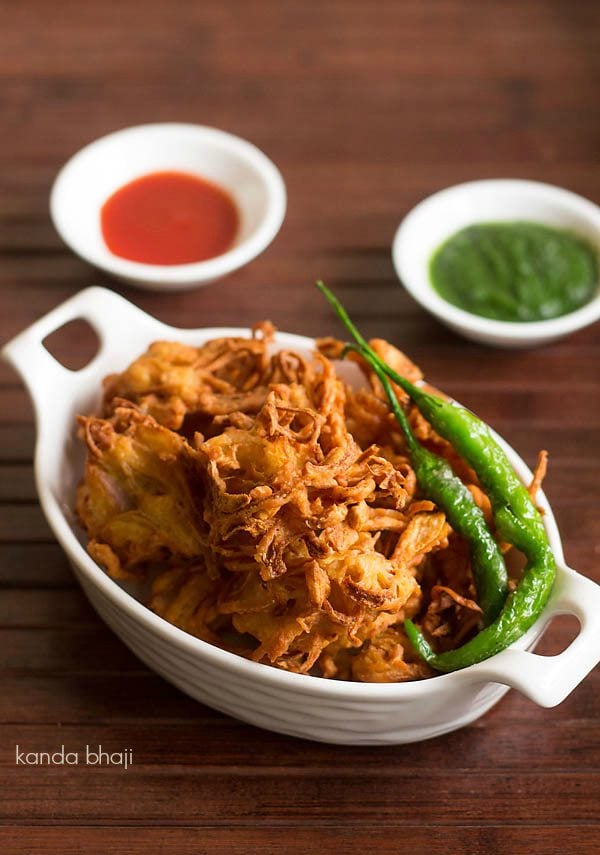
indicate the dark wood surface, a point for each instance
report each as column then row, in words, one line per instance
column 366, row 107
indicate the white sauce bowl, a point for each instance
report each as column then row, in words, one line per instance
column 440, row 216
column 92, row 175
column 297, row 704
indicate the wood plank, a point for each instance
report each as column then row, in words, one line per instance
column 17, row 483
column 92, row 696
column 34, row 565
column 273, row 796
column 15, row 405
column 16, row 443
column 297, row 840
column 49, row 609
column 65, row 650
column 23, row 522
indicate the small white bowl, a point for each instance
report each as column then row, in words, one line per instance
column 298, row 704
column 98, row 170
column 440, row 216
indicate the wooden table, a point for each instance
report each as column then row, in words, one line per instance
column 366, row 108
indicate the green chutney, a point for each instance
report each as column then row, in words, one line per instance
column 515, row 271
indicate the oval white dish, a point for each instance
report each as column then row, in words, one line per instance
column 98, row 170
column 304, row 706
column 440, row 216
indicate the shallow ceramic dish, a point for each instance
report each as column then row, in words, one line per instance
column 305, row 706
column 94, row 173
column 440, row 216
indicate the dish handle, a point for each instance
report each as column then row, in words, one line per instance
column 548, row 680
column 113, row 318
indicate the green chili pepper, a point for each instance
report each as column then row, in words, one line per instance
column 516, row 517
column 439, row 483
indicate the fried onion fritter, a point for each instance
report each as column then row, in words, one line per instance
column 272, row 508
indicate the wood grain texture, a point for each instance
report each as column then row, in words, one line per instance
column 366, row 108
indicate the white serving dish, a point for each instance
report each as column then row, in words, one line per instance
column 438, row 217
column 304, row 706
column 98, row 170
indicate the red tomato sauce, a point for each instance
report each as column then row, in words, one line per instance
column 169, row 218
